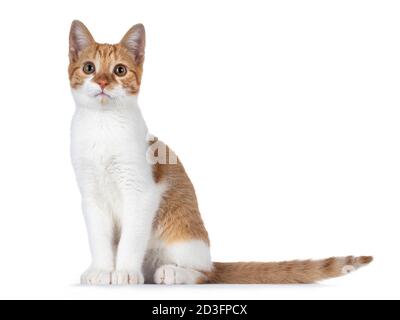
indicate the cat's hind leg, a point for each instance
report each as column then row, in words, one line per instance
column 184, row 262
column 171, row 274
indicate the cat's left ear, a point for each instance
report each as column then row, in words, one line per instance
column 135, row 41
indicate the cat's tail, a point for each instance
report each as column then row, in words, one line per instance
column 288, row 272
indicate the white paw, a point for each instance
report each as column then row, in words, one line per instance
column 166, row 275
column 123, row 278
column 96, row 277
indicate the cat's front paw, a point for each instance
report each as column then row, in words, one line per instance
column 122, row 277
column 96, row 277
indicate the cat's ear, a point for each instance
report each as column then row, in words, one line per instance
column 79, row 39
column 135, row 41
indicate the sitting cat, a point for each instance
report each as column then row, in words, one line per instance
column 140, row 207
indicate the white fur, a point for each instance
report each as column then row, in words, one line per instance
column 96, row 277
column 120, row 197
column 181, row 262
column 193, row 254
column 348, row 269
column 190, row 256
column 108, row 150
column 170, row 274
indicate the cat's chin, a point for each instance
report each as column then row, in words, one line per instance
column 103, row 99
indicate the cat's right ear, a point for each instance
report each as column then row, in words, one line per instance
column 79, row 39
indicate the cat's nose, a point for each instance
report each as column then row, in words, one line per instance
column 102, row 83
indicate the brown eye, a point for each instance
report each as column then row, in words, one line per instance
column 89, row 68
column 120, row 70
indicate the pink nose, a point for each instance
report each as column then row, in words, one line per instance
column 102, row 83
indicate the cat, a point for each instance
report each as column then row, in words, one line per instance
column 140, row 207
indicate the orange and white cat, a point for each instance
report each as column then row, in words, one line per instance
column 141, row 213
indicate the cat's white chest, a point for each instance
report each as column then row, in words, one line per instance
column 107, row 150
column 93, row 144
column 100, row 137
column 96, row 136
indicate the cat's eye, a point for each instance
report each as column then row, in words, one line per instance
column 120, row 70
column 89, row 68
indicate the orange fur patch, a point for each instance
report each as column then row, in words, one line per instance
column 289, row 272
column 178, row 218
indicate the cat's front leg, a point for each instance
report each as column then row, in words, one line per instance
column 100, row 231
column 139, row 208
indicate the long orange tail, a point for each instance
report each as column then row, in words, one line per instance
column 287, row 272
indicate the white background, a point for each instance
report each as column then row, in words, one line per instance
column 285, row 113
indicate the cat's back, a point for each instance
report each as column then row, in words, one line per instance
column 178, row 217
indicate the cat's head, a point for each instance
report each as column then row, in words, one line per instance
column 103, row 74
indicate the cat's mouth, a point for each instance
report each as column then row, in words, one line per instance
column 102, row 94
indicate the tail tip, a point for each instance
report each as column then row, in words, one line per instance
column 356, row 263
column 365, row 260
